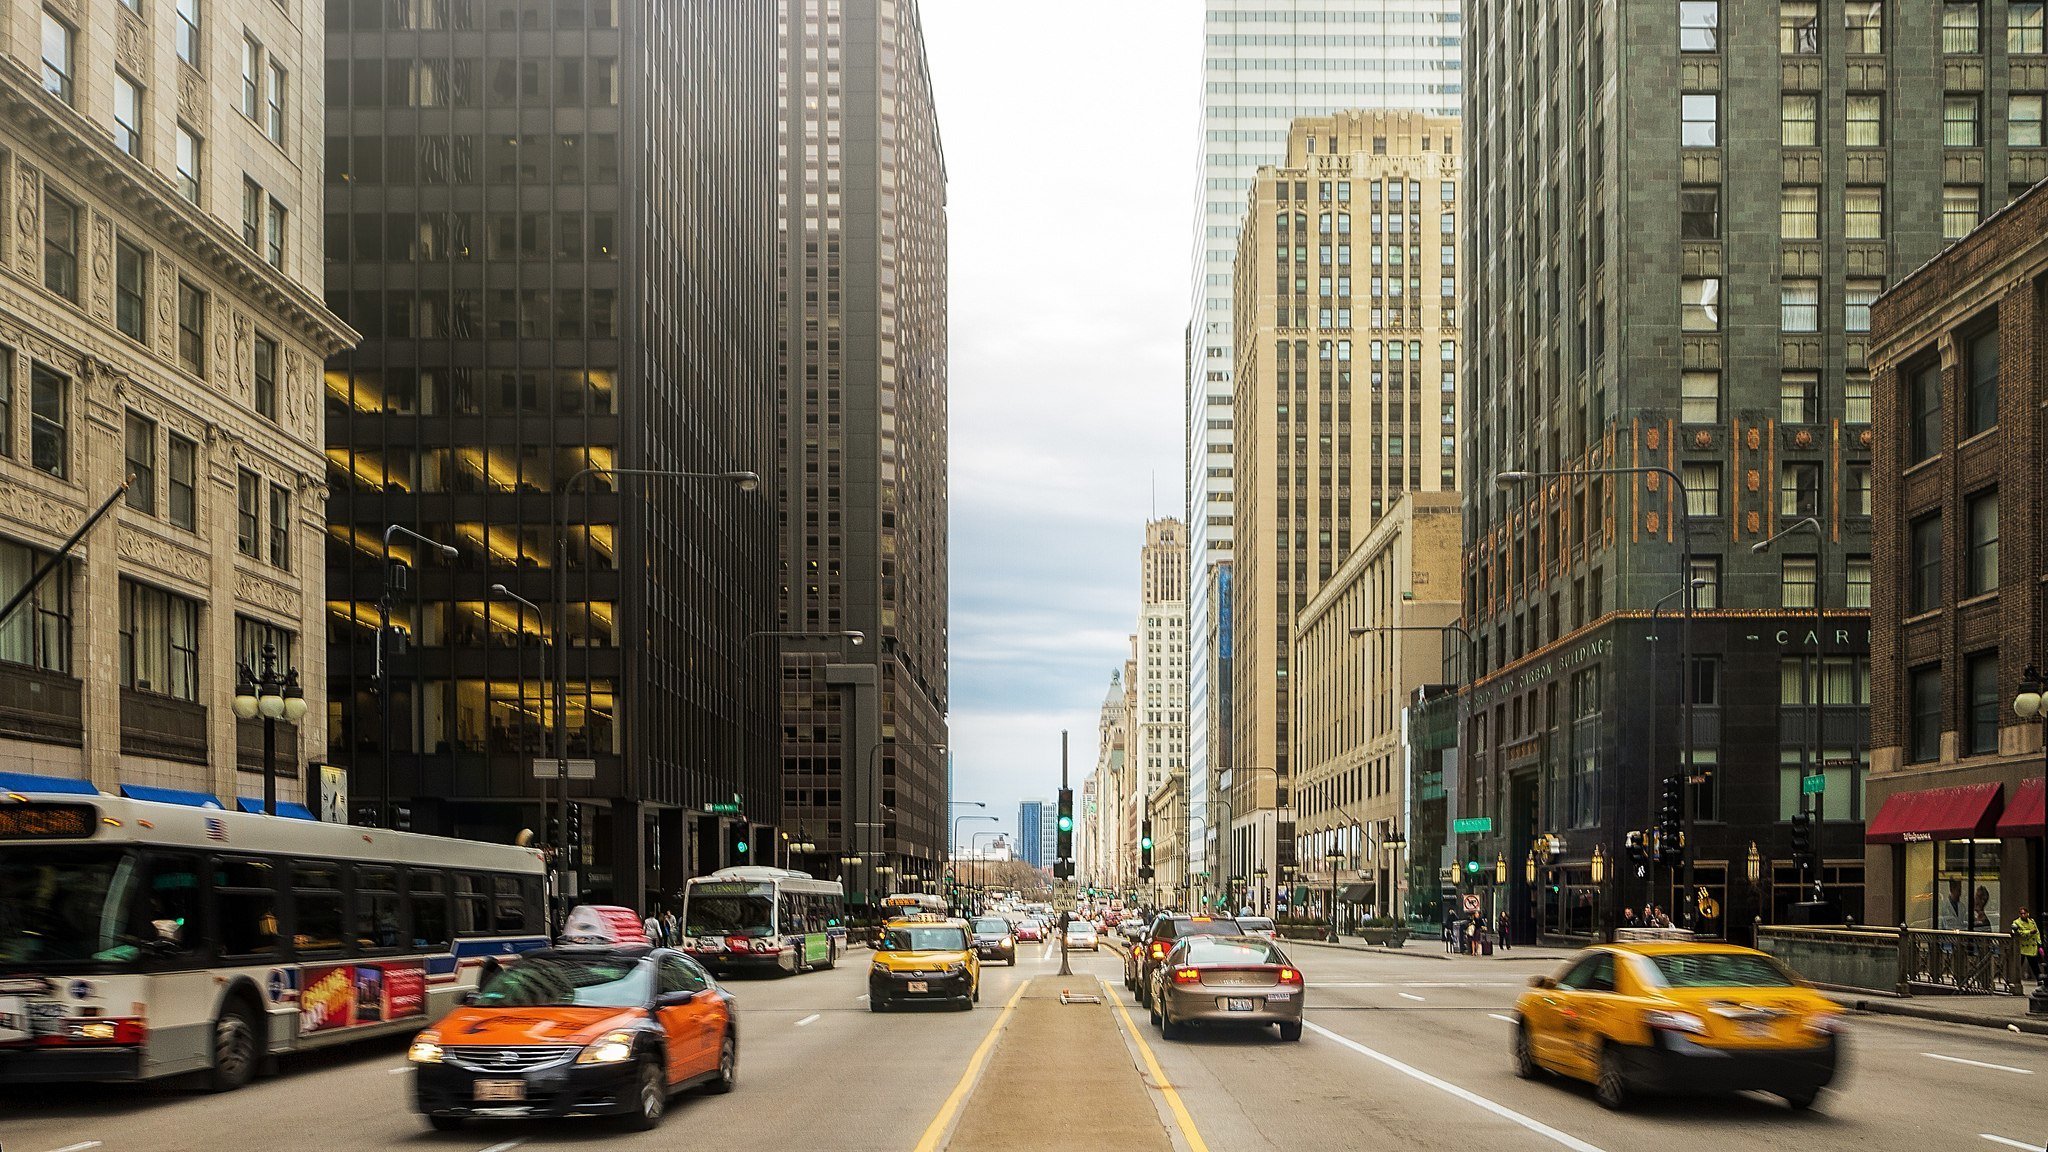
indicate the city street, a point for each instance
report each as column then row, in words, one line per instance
column 1403, row 1051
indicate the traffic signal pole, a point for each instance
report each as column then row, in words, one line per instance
column 1065, row 843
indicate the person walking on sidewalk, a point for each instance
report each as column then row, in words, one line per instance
column 2027, row 934
column 1501, row 931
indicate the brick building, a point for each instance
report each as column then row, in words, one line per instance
column 1959, row 551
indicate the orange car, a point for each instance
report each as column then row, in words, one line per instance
column 579, row 1029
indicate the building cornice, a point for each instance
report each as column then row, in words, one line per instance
column 91, row 158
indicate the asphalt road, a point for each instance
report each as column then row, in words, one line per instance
column 1402, row 1052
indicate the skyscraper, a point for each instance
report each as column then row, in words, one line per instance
column 1036, row 831
column 861, row 241
column 1264, row 63
column 1159, row 733
column 551, row 222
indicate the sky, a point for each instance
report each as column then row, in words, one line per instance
column 1069, row 130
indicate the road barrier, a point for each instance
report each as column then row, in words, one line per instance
column 1898, row 960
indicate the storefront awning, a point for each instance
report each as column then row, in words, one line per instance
column 284, row 807
column 30, row 782
column 1355, row 894
column 2026, row 815
column 170, row 796
column 1936, row 814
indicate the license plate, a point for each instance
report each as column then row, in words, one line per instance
column 501, row 1090
column 1237, row 1004
column 919, row 986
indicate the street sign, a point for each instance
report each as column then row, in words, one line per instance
column 1813, row 785
column 1841, row 762
column 723, row 808
column 1472, row 825
column 548, row 768
column 1472, row 903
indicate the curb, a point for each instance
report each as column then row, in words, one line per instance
column 2027, row 1024
column 1418, row 953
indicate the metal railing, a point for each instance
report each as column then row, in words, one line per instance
column 1898, row 960
column 1964, row 961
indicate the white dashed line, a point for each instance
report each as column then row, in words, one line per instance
column 507, row 1146
column 2006, row 1142
column 859, row 998
column 1979, row 1064
column 400, row 1071
column 1408, row 996
column 79, row 1147
column 807, row 1019
column 1503, row 1019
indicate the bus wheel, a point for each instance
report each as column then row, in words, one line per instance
column 235, row 1050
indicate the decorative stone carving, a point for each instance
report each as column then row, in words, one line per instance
column 1702, row 440
column 266, row 593
column 1652, row 522
column 1754, row 438
column 242, row 367
column 1755, row 523
column 130, row 49
column 1802, row 439
column 103, row 267
column 1864, row 438
column 1751, row 479
column 191, row 95
column 166, row 309
column 25, row 506
column 145, row 550
column 223, row 364
column 28, row 218
column 1655, row 437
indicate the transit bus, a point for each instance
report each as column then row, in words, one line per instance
column 750, row 917
column 141, row 939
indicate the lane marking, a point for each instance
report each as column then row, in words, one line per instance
column 394, row 1072
column 1408, row 996
column 1986, row 1135
column 807, row 1019
column 936, row 1130
column 1978, row 1063
column 1503, row 1019
column 859, row 998
column 1470, row 1097
column 507, row 1146
column 1181, row 1117
column 79, row 1147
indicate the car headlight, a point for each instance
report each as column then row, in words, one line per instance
column 879, row 968
column 426, row 1049
column 1826, row 1024
column 1676, row 1022
column 610, row 1048
column 1009, row 941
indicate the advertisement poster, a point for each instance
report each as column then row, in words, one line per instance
column 348, row 995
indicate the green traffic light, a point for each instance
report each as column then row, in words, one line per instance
column 1472, row 866
column 1146, row 843
column 740, row 847
column 1066, row 823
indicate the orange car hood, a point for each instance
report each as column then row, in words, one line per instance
column 510, row 1026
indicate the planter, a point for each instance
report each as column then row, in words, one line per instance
column 1384, row 937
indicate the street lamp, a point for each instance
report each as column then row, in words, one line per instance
column 1755, row 866
column 1500, row 867
column 2032, row 704
column 1259, row 874
column 385, row 599
column 1813, row 749
column 269, row 694
column 561, row 846
column 875, row 786
column 1395, row 843
column 1334, row 856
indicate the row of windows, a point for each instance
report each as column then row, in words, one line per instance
column 1799, row 397
column 512, row 314
column 1799, row 488
column 1983, row 702
column 434, row 237
column 1927, row 580
column 469, row 15
column 1925, row 427
column 563, row 82
column 501, row 159
column 1799, row 303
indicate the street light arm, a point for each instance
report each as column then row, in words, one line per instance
column 1803, row 524
column 1365, row 630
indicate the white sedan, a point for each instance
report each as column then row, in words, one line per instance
column 1081, row 934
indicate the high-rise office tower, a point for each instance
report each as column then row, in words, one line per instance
column 861, row 236
column 1347, row 354
column 1159, row 733
column 1035, row 833
column 1264, row 63
column 552, row 223
column 160, row 321
column 1680, row 215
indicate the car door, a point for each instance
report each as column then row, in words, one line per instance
column 677, row 1017
column 1545, row 1013
column 1586, row 1013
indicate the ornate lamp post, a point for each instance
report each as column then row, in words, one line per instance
column 1395, row 843
column 1334, row 856
column 2032, row 704
column 269, row 694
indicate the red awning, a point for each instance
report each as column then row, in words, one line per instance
column 1936, row 814
column 2025, row 816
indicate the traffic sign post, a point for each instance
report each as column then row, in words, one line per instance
column 1813, row 785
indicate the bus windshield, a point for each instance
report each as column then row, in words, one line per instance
column 728, row 916
column 571, row 981
column 66, row 906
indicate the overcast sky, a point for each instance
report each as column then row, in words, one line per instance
column 1069, row 131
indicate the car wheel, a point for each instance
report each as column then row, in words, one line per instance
column 650, row 1097
column 1524, row 1055
column 235, row 1049
column 1611, row 1089
column 1290, row 1030
column 445, row 1123
column 728, row 1076
column 877, row 1004
column 977, row 992
column 1802, row 1099
column 1169, row 1028
column 1152, row 1009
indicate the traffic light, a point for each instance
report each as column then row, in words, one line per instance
column 575, row 831
column 1064, row 840
column 1472, row 866
column 1802, row 835
column 1145, row 850
column 736, row 841
column 1671, row 811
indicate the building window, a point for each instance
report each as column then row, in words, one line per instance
column 1699, row 119
column 191, row 328
column 1702, row 488
column 1959, row 26
column 1799, row 120
column 1699, row 212
column 1796, row 584
column 183, row 458
column 1798, row 489
column 1865, row 127
column 274, row 226
column 266, row 377
column 1982, row 513
column 1959, row 121
column 1980, row 678
column 159, row 642
column 2024, row 25
column 60, row 245
column 1707, row 595
column 1700, row 303
column 280, row 527
column 1981, row 382
column 141, row 438
column 6, row 401
column 1799, row 27
column 252, row 78
column 1700, row 397
column 1923, row 723
column 1856, row 585
column 58, row 44
column 1923, row 428
column 1799, row 212
column 1857, row 296
column 1699, row 25
column 188, row 32
column 1863, row 212
column 2023, row 120
column 248, row 513
column 1864, row 21
column 1923, row 539
column 131, row 278
column 1856, row 489
column 1799, row 397
column 49, row 420
column 273, row 117
column 1856, row 398
column 1799, row 306
column 189, row 146
column 127, row 114
column 252, row 214
column 38, row 634
column 1961, row 205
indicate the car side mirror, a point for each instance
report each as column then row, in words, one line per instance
column 674, row 999
column 467, row 999
column 1543, row 982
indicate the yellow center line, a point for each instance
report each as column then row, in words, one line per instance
column 1173, row 1101
column 929, row 1142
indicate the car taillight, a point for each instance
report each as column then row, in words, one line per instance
column 737, row 943
column 1289, row 976
column 125, row 1031
column 1186, row 975
column 1158, row 951
column 1676, row 1022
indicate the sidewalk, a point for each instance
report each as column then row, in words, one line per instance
column 2004, row 1012
column 1432, row 948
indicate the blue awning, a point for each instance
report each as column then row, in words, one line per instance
column 170, row 796
column 30, row 782
column 285, row 808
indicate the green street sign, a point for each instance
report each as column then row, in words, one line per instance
column 1472, row 825
column 1813, row 785
column 721, row 808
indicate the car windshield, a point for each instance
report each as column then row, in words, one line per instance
column 67, row 905
column 571, row 981
column 1719, row 970
column 1255, row 923
column 937, row 938
column 1210, row 950
column 1201, row 927
column 728, row 916
column 992, row 927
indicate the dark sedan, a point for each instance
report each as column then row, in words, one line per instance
column 1234, row 980
column 993, row 940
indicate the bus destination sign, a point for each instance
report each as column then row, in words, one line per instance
column 47, row 821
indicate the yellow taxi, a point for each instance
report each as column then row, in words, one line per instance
column 924, row 958
column 1672, row 1016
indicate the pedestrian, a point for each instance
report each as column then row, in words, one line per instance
column 1628, row 918
column 1501, row 930
column 2027, row 934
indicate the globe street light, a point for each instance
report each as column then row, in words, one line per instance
column 2032, row 704
column 271, row 695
